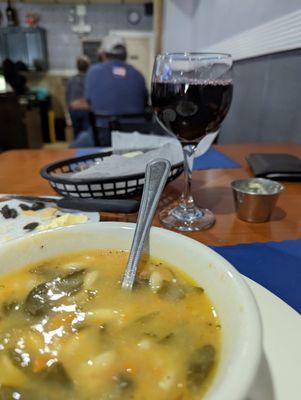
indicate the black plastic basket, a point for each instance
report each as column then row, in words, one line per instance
column 125, row 186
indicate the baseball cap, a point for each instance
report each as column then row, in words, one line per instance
column 110, row 42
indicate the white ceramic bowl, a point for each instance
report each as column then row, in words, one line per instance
column 232, row 299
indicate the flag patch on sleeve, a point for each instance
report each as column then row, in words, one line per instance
column 119, row 71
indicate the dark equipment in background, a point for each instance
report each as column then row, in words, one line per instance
column 11, row 72
column 28, row 45
column 149, row 9
column 90, row 49
column 23, row 116
column 13, row 130
column 11, row 15
column 20, row 122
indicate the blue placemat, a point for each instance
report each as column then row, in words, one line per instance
column 88, row 150
column 214, row 159
column 274, row 265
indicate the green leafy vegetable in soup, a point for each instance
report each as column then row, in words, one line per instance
column 68, row 331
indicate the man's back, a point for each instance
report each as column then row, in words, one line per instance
column 115, row 87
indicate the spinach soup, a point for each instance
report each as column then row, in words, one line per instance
column 68, row 331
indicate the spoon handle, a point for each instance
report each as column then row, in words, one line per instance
column 156, row 175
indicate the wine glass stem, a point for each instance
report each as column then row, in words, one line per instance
column 186, row 201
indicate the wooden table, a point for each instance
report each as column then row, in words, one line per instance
column 19, row 173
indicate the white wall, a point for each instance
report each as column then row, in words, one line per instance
column 177, row 29
column 64, row 45
column 192, row 25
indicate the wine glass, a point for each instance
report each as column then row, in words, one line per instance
column 191, row 95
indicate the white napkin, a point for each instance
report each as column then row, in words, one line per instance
column 201, row 148
column 205, row 143
column 138, row 141
column 118, row 165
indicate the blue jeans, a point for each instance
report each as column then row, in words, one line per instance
column 80, row 120
column 84, row 139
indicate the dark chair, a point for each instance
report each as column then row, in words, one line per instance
column 143, row 123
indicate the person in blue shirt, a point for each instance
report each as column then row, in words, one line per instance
column 113, row 87
column 75, row 97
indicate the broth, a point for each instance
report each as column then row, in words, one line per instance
column 67, row 331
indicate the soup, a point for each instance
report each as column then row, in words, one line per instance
column 68, row 331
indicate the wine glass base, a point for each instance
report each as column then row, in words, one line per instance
column 188, row 221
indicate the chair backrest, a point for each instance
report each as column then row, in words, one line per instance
column 143, row 123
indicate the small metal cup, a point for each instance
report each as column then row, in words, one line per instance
column 255, row 198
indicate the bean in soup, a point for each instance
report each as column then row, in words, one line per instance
column 68, row 331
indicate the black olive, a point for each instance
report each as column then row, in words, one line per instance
column 37, row 205
column 24, row 207
column 8, row 212
column 31, row 226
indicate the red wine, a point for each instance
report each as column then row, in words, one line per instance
column 193, row 109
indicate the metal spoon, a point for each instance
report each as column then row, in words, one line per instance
column 156, row 174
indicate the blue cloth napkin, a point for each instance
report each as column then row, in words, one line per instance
column 274, row 265
column 214, row 159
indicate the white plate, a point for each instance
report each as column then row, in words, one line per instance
column 12, row 228
column 279, row 375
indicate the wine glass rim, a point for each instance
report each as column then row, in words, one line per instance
column 196, row 54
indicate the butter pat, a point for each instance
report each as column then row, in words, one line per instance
column 48, row 212
column 133, row 154
column 64, row 220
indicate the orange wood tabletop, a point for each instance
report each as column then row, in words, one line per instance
column 20, row 174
